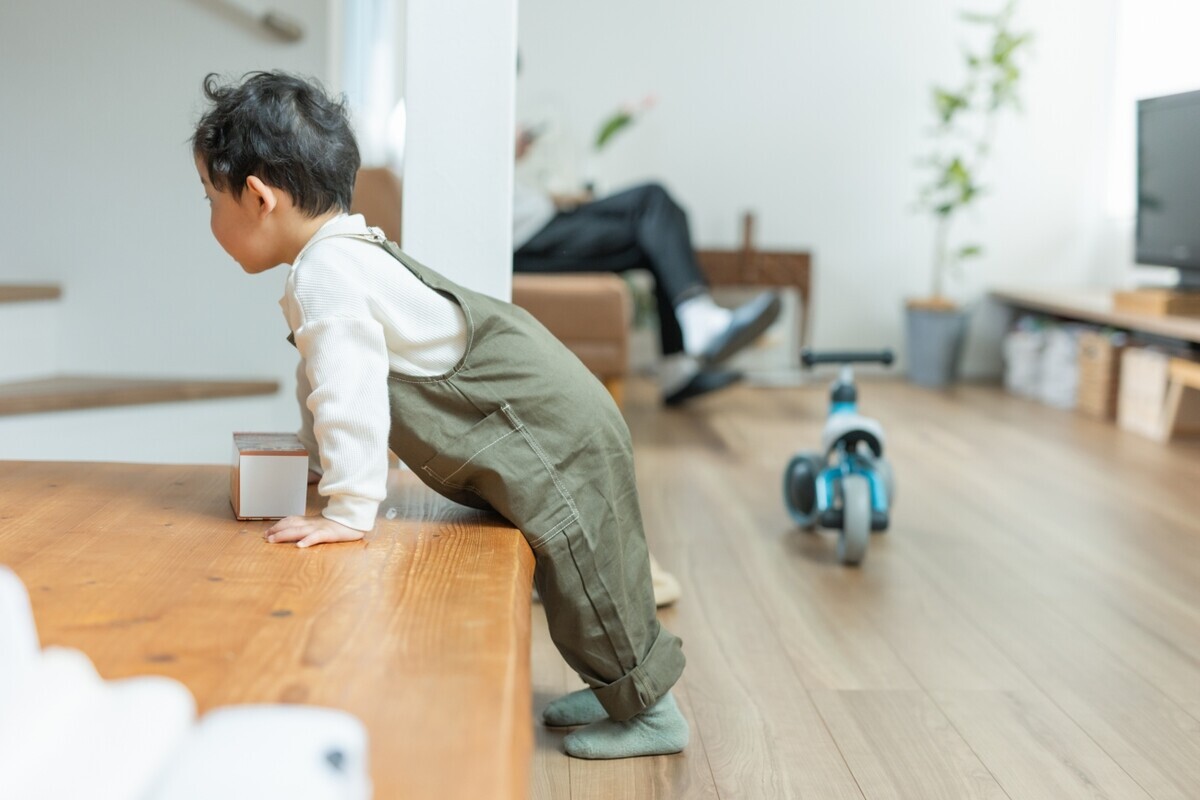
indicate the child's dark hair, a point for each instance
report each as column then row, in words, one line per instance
column 285, row 131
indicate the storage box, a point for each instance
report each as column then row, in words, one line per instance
column 1058, row 376
column 1023, row 361
column 270, row 476
column 1143, row 391
column 1099, row 373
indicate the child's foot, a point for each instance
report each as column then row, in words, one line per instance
column 657, row 731
column 576, row 708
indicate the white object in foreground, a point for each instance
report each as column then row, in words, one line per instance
column 271, row 751
column 65, row 733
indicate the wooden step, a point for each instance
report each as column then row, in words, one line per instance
column 19, row 293
column 73, row 392
column 428, row 624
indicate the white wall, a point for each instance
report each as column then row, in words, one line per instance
column 459, row 82
column 100, row 194
column 812, row 115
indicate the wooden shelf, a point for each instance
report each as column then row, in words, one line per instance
column 1096, row 305
column 74, row 392
column 20, row 293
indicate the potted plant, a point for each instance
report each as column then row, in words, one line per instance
column 966, row 122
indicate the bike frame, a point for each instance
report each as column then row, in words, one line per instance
column 849, row 464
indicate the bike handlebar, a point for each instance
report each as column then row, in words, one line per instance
column 810, row 358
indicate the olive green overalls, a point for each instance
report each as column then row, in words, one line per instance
column 522, row 427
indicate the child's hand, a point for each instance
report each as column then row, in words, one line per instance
column 307, row 531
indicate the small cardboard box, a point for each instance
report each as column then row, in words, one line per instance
column 1099, row 373
column 270, row 476
column 1158, row 302
column 1142, row 395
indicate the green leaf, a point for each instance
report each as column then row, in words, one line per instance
column 979, row 19
column 610, row 128
column 1002, row 47
column 1005, row 45
column 1020, row 39
column 993, row 74
column 969, row 251
column 957, row 173
column 948, row 103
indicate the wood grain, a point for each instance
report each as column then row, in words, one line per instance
column 73, row 392
column 422, row 631
column 1034, row 749
column 1029, row 628
column 899, row 745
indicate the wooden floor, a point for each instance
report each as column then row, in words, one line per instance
column 1029, row 628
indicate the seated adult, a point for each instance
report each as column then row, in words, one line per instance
column 643, row 228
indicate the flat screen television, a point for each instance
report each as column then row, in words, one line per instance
column 1168, row 184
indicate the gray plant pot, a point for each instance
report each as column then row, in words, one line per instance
column 935, row 342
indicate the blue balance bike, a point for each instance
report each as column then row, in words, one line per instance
column 848, row 486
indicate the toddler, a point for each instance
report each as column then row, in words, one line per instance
column 472, row 393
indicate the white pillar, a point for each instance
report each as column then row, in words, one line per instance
column 460, row 80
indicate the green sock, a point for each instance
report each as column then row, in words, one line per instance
column 576, row 708
column 657, row 731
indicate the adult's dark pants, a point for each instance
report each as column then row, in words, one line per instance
column 640, row 228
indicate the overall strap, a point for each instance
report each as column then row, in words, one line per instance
column 372, row 235
column 465, row 298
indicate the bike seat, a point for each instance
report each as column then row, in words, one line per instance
column 853, row 430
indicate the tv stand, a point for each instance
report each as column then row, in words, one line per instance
column 1096, row 305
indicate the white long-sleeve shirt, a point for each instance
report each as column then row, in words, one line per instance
column 357, row 313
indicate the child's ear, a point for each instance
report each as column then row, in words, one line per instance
column 263, row 196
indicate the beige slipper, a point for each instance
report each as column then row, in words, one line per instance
column 666, row 587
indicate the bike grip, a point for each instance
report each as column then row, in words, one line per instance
column 810, row 357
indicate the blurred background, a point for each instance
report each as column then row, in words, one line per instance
column 813, row 116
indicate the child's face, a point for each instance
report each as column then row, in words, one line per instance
column 236, row 224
